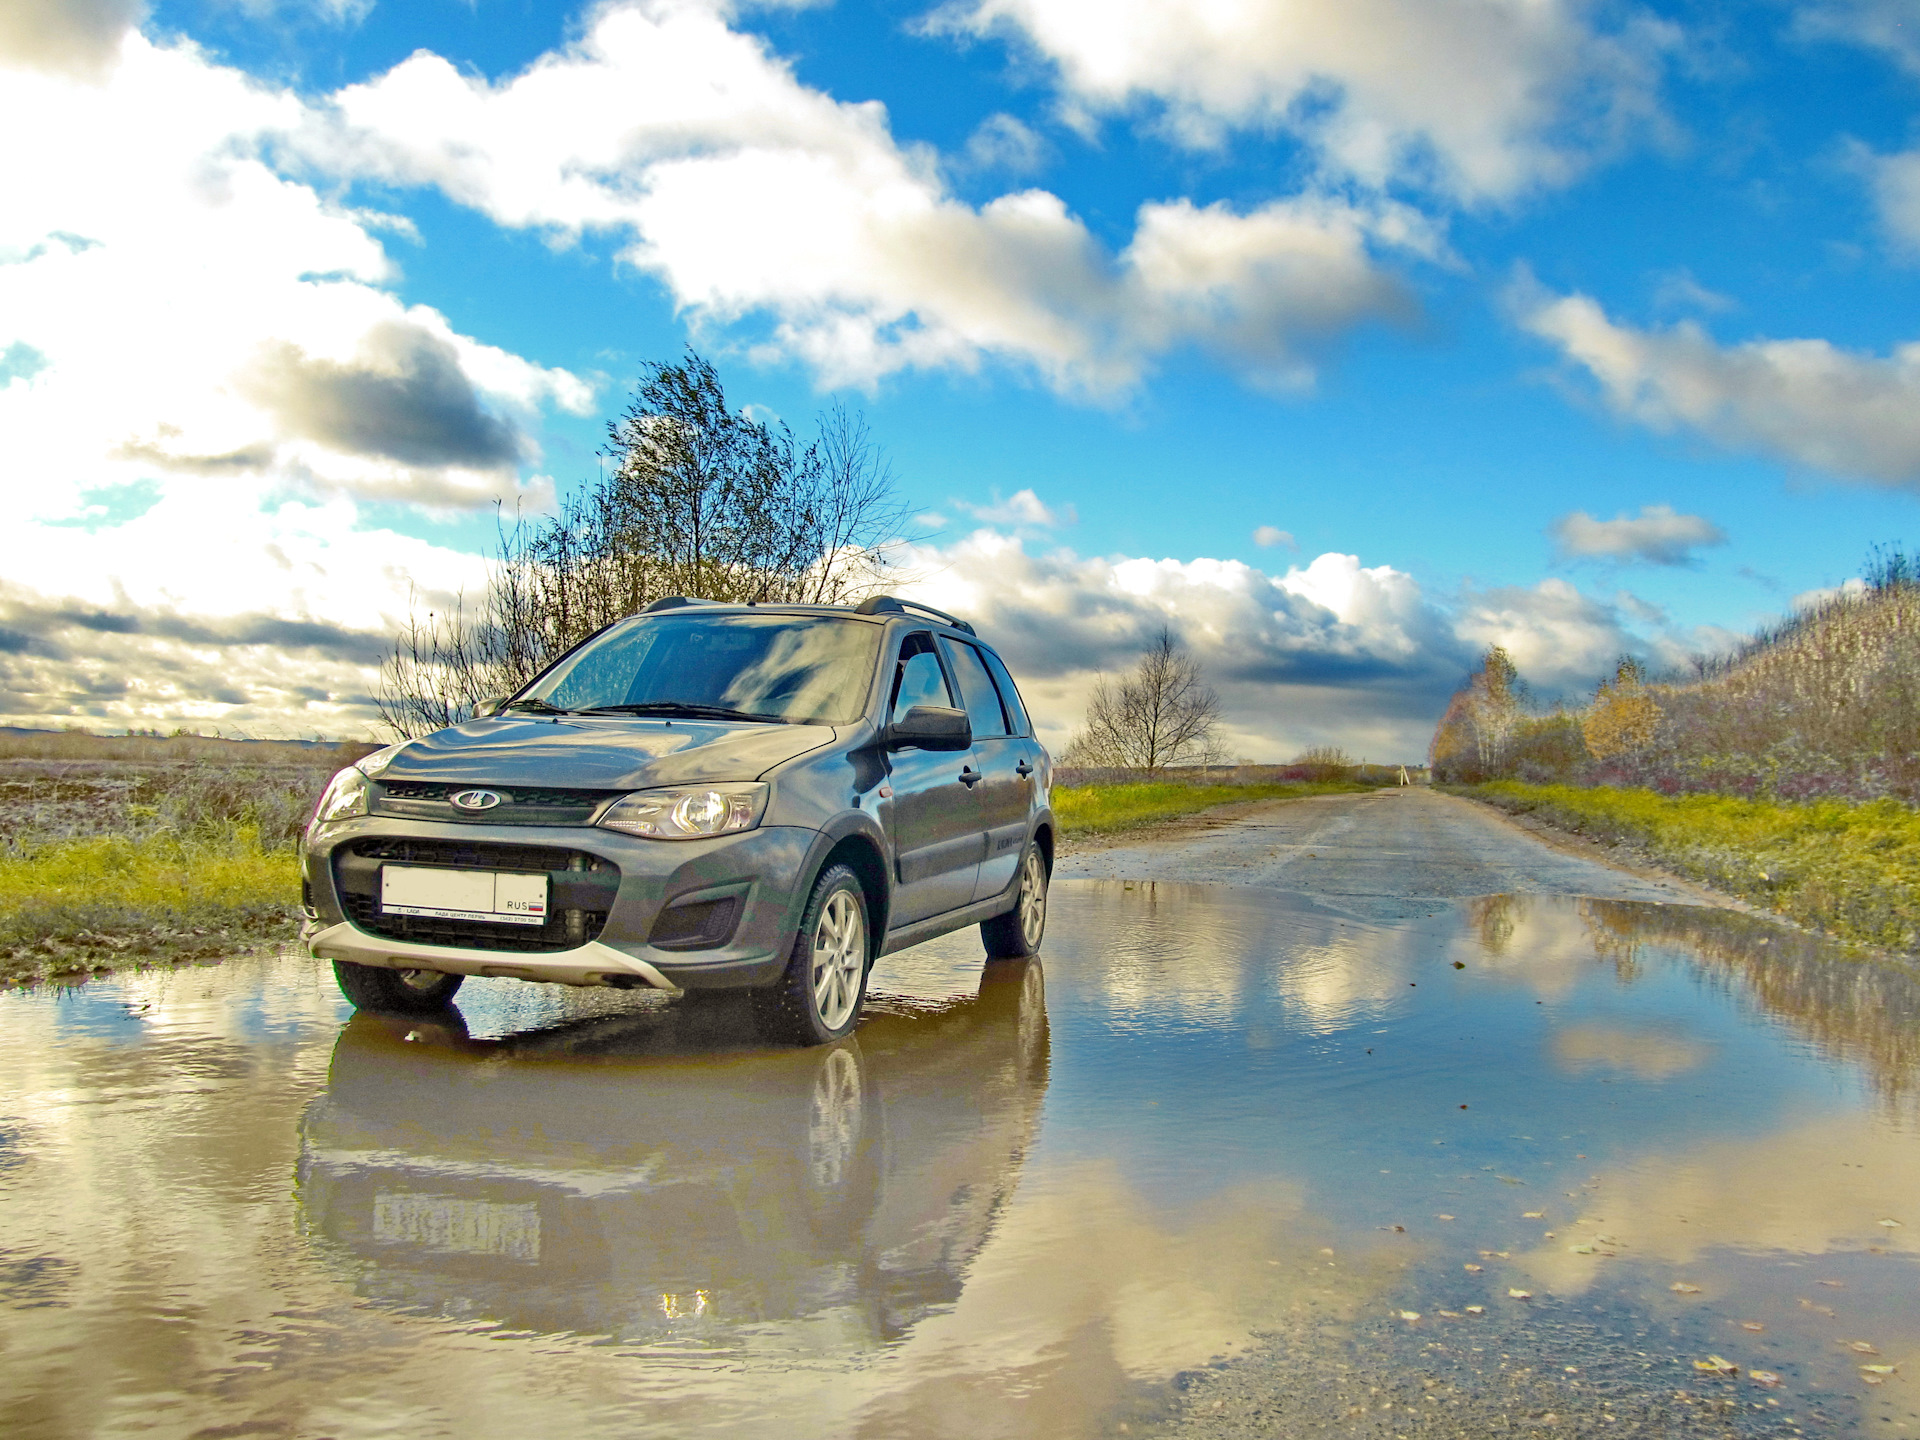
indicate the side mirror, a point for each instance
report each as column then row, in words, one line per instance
column 489, row 706
column 930, row 727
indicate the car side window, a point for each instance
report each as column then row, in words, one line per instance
column 918, row 679
column 976, row 686
column 1009, row 697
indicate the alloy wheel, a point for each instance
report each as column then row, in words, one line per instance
column 839, row 958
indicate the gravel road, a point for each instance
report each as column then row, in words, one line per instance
column 1388, row 855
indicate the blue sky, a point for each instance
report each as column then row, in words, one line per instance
column 1576, row 326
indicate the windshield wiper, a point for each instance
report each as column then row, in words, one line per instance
column 677, row 707
column 537, row 707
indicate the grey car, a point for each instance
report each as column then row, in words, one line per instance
column 699, row 797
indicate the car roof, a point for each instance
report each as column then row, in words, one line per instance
column 879, row 608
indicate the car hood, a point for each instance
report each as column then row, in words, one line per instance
column 591, row 753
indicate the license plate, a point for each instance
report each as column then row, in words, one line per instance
column 491, row 895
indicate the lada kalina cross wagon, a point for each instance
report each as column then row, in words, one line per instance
column 698, row 797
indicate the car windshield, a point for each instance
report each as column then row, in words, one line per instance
column 796, row 669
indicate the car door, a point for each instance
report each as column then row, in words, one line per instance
column 1005, row 789
column 938, row 835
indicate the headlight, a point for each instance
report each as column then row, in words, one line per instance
column 692, row 813
column 345, row 796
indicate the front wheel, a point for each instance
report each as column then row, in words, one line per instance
column 818, row 999
column 1016, row 934
column 395, row 992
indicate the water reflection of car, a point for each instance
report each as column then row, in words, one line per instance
column 638, row 1176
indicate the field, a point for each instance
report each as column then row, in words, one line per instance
column 122, row 848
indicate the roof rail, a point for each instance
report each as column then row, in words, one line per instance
column 675, row 602
column 893, row 605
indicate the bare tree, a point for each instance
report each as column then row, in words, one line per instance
column 1161, row 714
column 697, row 499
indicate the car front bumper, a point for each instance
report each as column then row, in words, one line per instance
column 765, row 869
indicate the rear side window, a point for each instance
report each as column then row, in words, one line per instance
column 918, row 679
column 983, row 702
column 1009, row 697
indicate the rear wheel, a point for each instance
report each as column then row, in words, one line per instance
column 819, row 997
column 395, row 992
column 1016, row 934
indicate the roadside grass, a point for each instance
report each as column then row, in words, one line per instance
column 70, row 904
column 1849, row 869
column 1101, row 809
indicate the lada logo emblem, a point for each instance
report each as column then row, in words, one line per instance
column 476, row 799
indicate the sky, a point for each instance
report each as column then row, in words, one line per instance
column 1343, row 339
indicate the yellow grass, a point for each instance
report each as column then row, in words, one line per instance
column 1092, row 809
column 1852, row 869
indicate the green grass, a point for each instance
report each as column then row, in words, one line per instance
column 78, row 903
column 1095, row 809
column 1850, row 869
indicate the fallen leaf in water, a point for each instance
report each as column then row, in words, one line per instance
column 1476, row 1309
column 1879, row 1369
column 1471, row 1268
column 1817, row 1309
column 1409, row 1315
column 1891, row 1224
column 1860, row 1347
column 1680, row 1287
column 1764, row 1377
column 1549, row 1236
column 1519, row 1294
column 1443, row 1217
column 1874, row 1379
column 1717, row 1365
column 1533, row 1214
column 1753, row 1325
column 1833, row 1284
column 1509, row 1179
column 1581, row 1249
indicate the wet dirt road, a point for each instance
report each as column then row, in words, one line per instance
column 1388, row 855
column 1228, row 1161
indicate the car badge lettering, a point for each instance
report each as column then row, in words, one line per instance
column 476, row 799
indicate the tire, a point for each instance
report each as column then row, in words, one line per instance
column 818, row 1000
column 1017, row 934
column 395, row 992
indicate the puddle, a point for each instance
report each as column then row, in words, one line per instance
column 1192, row 1173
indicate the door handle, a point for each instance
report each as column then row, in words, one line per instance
column 1023, row 769
column 969, row 777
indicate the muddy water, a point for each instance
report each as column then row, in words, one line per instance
column 1226, row 1162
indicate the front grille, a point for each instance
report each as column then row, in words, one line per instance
column 519, row 804
column 509, row 794
column 356, row 877
column 473, row 855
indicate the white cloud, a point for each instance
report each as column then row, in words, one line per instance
column 79, row 38
column 1023, row 510
column 1658, row 535
column 1331, row 652
column 195, row 313
column 753, row 197
column 1806, row 401
column 1895, row 183
column 1885, row 25
column 1267, row 536
column 1005, row 143
column 1482, row 99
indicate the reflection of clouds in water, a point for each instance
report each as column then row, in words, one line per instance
column 1822, row 1186
column 1050, row 1330
column 1333, row 986
column 1542, row 943
column 1645, row 1053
